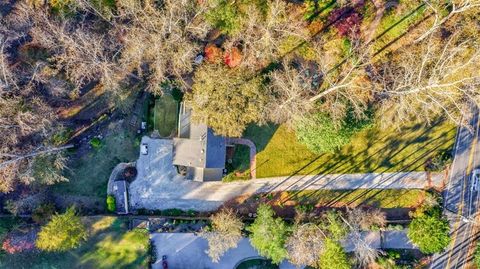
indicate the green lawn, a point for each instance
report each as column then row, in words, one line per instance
column 165, row 115
column 110, row 245
column 88, row 176
column 353, row 198
column 374, row 150
column 396, row 22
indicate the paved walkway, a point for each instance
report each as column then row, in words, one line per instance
column 158, row 186
column 253, row 153
column 185, row 250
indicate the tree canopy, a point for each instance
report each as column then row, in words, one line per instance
column 304, row 244
column 333, row 256
column 430, row 231
column 269, row 234
column 65, row 231
column 225, row 233
column 320, row 134
column 226, row 99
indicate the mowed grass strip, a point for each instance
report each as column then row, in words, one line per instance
column 165, row 115
column 110, row 245
column 373, row 150
column 359, row 197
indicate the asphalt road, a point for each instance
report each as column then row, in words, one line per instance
column 461, row 202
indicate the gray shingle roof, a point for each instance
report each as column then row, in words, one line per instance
column 197, row 145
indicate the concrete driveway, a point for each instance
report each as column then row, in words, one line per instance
column 158, row 186
column 187, row 251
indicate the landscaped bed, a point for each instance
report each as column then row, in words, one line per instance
column 110, row 245
column 373, row 150
column 256, row 264
column 396, row 203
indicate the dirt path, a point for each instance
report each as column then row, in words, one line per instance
column 380, row 6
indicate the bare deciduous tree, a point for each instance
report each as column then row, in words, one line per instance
column 268, row 33
column 291, row 88
column 365, row 219
column 225, row 233
column 164, row 39
column 442, row 12
column 346, row 85
column 81, row 53
column 305, row 244
column 27, row 121
column 438, row 76
column 24, row 154
column 335, row 91
column 357, row 221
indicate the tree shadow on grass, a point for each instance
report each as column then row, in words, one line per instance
column 116, row 247
column 411, row 166
column 410, row 162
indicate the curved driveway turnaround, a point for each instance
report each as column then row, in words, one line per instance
column 186, row 250
column 158, row 186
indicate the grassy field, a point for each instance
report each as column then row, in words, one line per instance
column 165, row 115
column 373, row 150
column 110, row 245
column 353, row 198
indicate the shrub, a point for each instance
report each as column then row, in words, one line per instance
column 63, row 7
column 152, row 254
column 191, row 212
column 233, row 57
column 143, row 211
column 18, row 241
column 96, row 143
column 348, row 24
column 64, row 232
column 319, row 133
column 129, row 173
column 177, row 94
column 8, row 224
column 105, row 7
column 62, row 137
column 111, row 203
column 173, row 212
column 476, row 256
column 43, row 213
column 213, row 54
